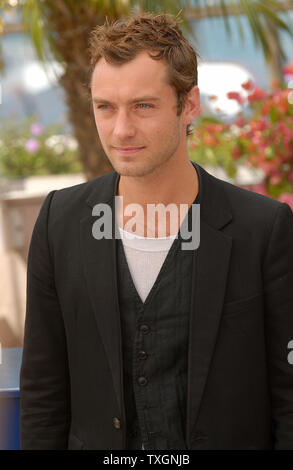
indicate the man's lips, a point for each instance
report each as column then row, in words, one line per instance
column 128, row 149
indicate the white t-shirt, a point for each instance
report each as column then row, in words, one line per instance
column 145, row 257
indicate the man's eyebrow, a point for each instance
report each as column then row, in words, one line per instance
column 97, row 99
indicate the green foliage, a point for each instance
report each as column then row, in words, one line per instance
column 212, row 144
column 26, row 149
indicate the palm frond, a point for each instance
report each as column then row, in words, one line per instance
column 33, row 24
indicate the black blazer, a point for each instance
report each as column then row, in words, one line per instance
column 240, row 381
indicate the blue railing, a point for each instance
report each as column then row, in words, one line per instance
column 9, row 398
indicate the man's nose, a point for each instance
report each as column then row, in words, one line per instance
column 124, row 125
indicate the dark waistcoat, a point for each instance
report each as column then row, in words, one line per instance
column 155, row 351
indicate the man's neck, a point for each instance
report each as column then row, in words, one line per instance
column 175, row 185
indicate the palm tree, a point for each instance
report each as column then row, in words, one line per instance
column 265, row 25
column 62, row 28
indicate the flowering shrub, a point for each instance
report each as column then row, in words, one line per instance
column 213, row 144
column 29, row 149
column 264, row 139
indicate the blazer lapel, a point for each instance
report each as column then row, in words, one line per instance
column 100, row 271
column 210, row 270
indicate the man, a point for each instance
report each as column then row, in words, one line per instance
column 135, row 342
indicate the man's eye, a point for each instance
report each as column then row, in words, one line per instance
column 141, row 105
column 145, row 104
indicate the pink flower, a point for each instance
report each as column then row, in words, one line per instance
column 215, row 127
column 32, row 145
column 210, row 140
column 259, row 125
column 36, row 128
column 287, row 198
column 236, row 153
column 234, row 95
column 247, row 85
column 276, row 178
column 240, row 121
column 257, row 95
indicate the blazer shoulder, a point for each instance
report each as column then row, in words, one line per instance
column 82, row 190
column 249, row 210
column 247, row 201
column 66, row 206
column 74, row 197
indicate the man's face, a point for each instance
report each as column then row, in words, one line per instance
column 135, row 113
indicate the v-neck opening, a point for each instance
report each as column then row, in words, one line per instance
column 149, row 296
column 172, row 250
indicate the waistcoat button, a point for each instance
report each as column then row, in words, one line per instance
column 142, row 355
column 116, row 423
column 142, row 380
column 144, row 329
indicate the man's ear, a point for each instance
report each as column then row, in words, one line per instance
column 192, row 105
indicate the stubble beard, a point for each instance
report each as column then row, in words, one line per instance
column 151, row 166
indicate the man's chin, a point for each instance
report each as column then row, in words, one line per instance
column 133, row 173
column 132, row 170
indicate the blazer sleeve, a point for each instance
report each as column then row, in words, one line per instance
column 44, row 375
column 278, row 288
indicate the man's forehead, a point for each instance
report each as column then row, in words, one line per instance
column 106, row 95
column 129, row 83
column 142, row 68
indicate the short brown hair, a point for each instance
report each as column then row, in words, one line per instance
column 121, row 41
